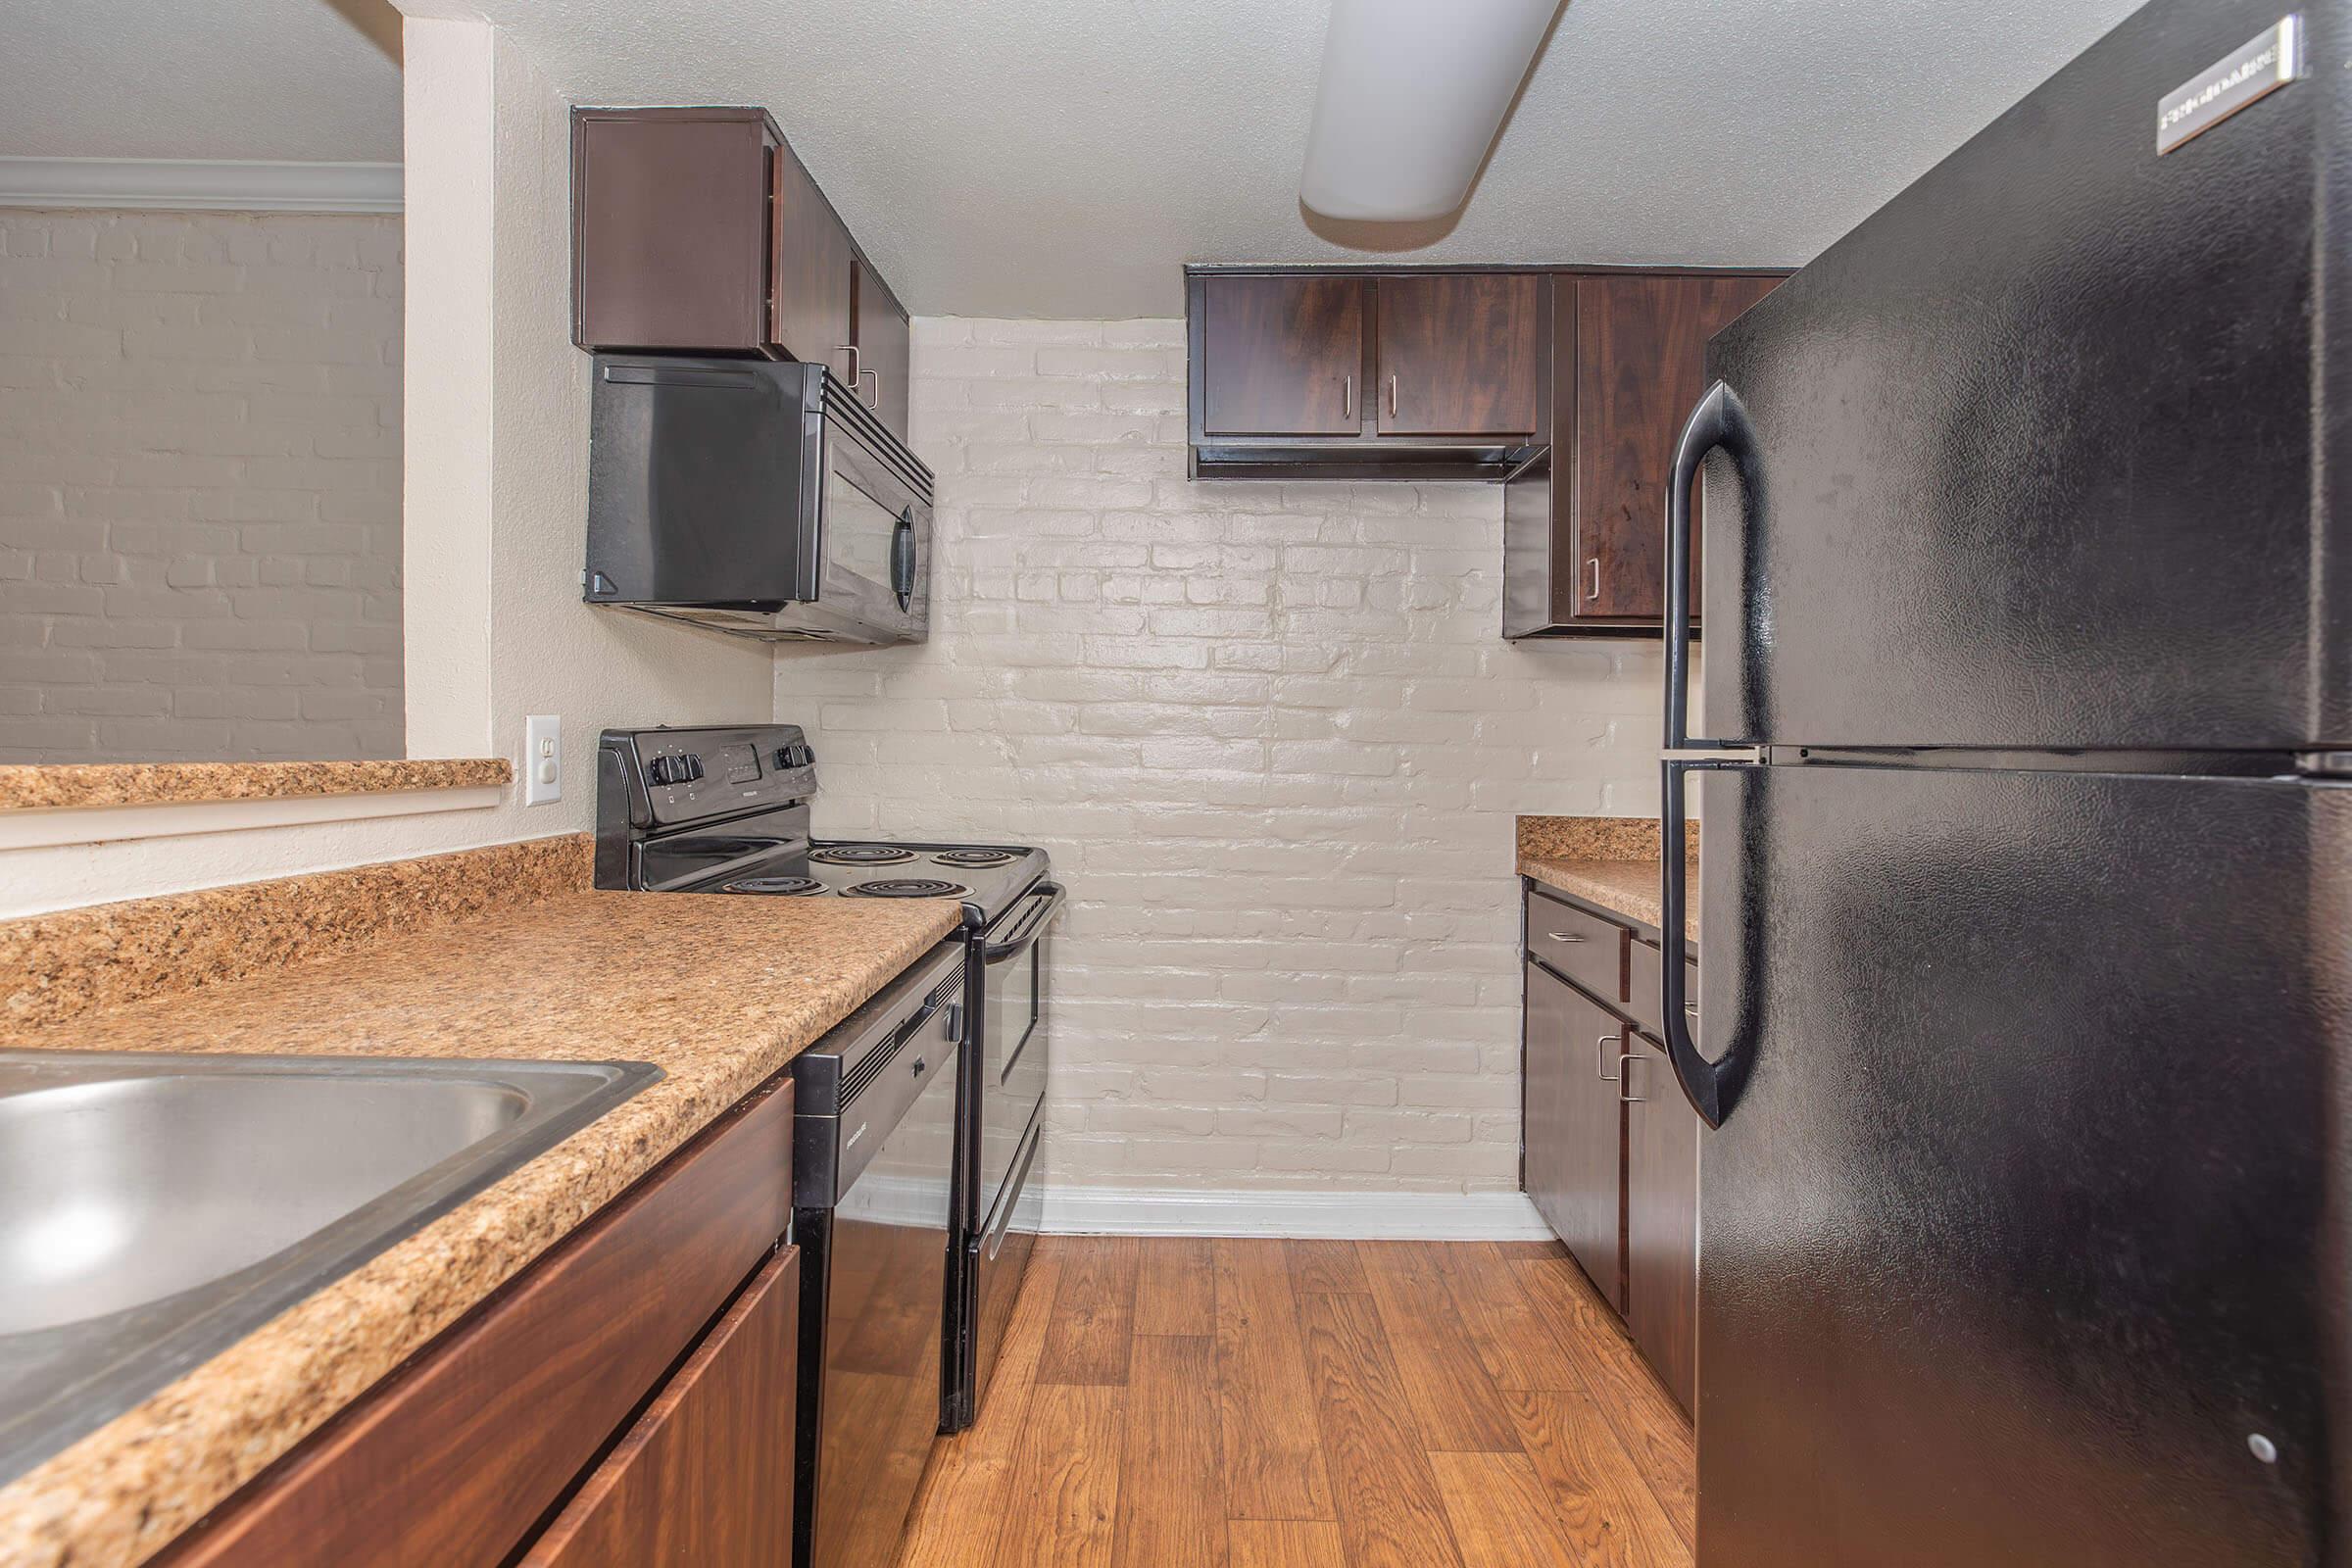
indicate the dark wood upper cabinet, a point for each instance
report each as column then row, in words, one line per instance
column 1585, row 529
column 701, row 232
column 669, row 221
column 1572, row 1124
column 881, row 332
column 1661, row 1219
column 1458, row 353
column 1282, row 355
column 812, row 289
column 1371, row 374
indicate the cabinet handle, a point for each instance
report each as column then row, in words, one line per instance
column 1594, row 564
column 874, row 402
column 851, row 349
column 1346, row 397
column 1392, row 397
column 1623, row 1082
column 1601, row 1063
column 1567, row 936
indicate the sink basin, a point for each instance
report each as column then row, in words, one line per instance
column 155, row 1209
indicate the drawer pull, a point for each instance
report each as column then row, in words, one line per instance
column 1600, row 1063
column 1624, row 1083
column 1566, row 936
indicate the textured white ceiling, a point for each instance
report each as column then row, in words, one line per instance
column 299, row 80
column 1065, row 156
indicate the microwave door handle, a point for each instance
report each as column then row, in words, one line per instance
column 902, row 559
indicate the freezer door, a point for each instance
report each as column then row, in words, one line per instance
column 2040, row 441
column 2025, row 1241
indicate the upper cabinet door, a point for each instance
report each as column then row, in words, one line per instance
column 884, row 350
column 811, row 292
column 670, row 248
column 1641, row 360
column 1282, row 356
column 1458, row 354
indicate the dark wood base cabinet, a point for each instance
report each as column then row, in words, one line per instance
column 515, row 1415
column 1572, row 1126
column 700, row 1476
column 1610, row 1146
column 1661, row 1219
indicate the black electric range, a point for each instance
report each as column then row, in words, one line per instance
column 726, row 810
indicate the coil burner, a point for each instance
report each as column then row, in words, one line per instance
column 975, row 859
column 863, row 855
column 909, row 887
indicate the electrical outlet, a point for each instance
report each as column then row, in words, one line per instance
column 542, row 759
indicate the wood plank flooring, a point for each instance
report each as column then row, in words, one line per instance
column 1175, row 1403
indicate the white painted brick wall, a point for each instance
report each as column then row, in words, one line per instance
column 199, row 486
column 1273, row 739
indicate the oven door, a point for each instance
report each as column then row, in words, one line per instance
column 1012, row 1035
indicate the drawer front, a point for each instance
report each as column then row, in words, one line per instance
column 1584, row 948
column 457, row 1455
column 705, row 1476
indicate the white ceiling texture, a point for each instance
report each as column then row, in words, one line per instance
column 1062, row 157
column 304, row 80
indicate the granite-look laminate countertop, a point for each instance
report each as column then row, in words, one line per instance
column 1608, row 861
column 719, row 992
column 1629, row 888
column 52, row 787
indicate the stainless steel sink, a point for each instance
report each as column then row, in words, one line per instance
column 156, row 1208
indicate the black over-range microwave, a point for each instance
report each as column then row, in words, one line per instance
column 755, row 497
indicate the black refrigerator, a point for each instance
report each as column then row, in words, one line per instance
column 2025, row 778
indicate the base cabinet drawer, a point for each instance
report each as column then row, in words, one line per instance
column 1584, row 948
column 704, row 1475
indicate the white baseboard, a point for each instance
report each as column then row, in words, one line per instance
column 1358, row 1217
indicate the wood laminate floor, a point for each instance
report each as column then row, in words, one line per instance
column 1173, row 1402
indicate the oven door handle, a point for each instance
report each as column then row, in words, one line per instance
column 1047, row 898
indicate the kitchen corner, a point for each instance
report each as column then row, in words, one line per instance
column 504, row 952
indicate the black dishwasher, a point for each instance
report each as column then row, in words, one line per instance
column 873, row 1196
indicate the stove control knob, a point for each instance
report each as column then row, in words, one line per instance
column 798, row 755
column 692, row 766
column 664, row 771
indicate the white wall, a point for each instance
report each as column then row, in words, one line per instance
column 199, row 486
column 494, row 484
column 1274, row 742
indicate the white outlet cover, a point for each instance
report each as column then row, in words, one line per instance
column 542, row 759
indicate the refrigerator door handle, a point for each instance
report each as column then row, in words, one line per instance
column 1719, row 420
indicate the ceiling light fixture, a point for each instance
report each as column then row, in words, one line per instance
column 1411, row 96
